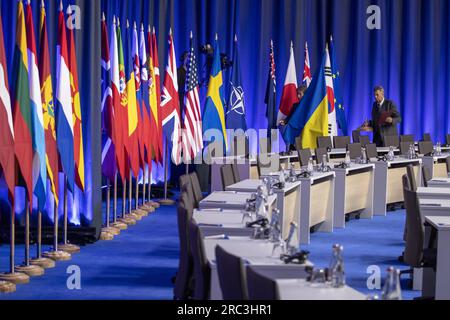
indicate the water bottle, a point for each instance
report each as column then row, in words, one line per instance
column 364, row 155
column 347, row 160
column 391, row 154
column 310, row 167
column 337, row 273
column 438, row 149
column 412, row 151
column 392, row 289
column 324, row 161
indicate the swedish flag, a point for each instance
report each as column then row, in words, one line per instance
column 310, row 118
column 214, row 113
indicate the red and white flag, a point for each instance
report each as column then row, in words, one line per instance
column 289, row 95
column 332, row 124
column 307, row 77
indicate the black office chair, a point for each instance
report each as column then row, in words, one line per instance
column 404, row 147
column 202, row 271
column 371, row 151
column 241, row 145
column 364, row 140
column 426, row 137
column 227, row 176
column 447, row 139
column 183, row 281
column 298, row 143
column 356, row 134
column 236, row 175
column 341, row 142
column 304, row 156
column 426, row 176
column 425, row 147
column 268, row 164
column 447, row 162
column 320, row 152
column 324, row 142
column 230, row 269
column 198, row 195
column 391, row 141
column 355, row 150
column 186, row 186
column 407, row 138
column 411, row 177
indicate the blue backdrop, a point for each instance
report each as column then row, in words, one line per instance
column 408, row 55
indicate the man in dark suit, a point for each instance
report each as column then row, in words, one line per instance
column 385, row 118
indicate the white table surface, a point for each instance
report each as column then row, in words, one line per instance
column 354, row 166
column 253, row 184
column 300, row 289
column 440, row 223
column 225, row 220
column 229, row 200
column 435, row 192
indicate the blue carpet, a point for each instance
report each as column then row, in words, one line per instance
column 140, row 262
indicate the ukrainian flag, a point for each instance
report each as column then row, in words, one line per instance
column 214, row 113
column 310, row 118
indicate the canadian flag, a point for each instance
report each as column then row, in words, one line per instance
column 289, row 95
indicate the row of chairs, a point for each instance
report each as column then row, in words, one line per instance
column 230, row 175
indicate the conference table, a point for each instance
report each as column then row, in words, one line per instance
column 439, row 183
column 434, row 207
column 437, row 165
column 433, row 193
column 388, row 181
column 231, row 200
column 442, row 276
column 356, row 192
column 288, row 200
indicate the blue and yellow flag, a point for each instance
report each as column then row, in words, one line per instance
column 214, row 113
column 310, row 118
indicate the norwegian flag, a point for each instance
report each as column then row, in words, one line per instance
column 307, row 77
column 192, row 126
column 170, row 104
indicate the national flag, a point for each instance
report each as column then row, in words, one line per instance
column 23, row 127
column 109, row 168
column 48, row 107
column 271, row 94
column 6, row 123
column 332, row 124
column 307, row 77
column 235, row 117
column 310, row 118
column 37, row 117
column 339, row 101
column 289, row 96
column 170, row 104
column 76, row 110
column 122, row 111
column 155, row 96
column 192, row 124
column 132, row 146
column 214, row 113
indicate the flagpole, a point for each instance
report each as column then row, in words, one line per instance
column 26, row 267
column 56, row 254
column 140, row 213
column 41, row 261
column 108, row 232
column 131, row 212
column 12, row 277
column 166, row 201
column 116, row 223
column 66, row 246
column 125, row 218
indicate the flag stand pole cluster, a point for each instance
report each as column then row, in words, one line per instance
column 41, row 261
column 55, row 254
column 116, row 223
column 166, row 201
column 65, row 245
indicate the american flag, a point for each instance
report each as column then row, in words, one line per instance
column 307, row 77
column 192, row 126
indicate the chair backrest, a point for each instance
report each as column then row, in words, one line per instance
column 202, row 272
column 425, row 147
column 404, row 147
column 268, row 163
column 447, row 139
column 371, row 151
column 298, row 143
column 355, row 135
column 198, row 195
column 185, row 266
column 227, row 175
column 406, row 183
column 324, row 142
column 260, row 287
column 231, row 275
column 391, row 141
column 304, row 156
column 355, row 150
column 320, row 152
column 415, row 230
column 411, row 176
column 426, row 176
column 407, row 138
column 341, row 142
column 364, row 140
column 186, row 186
column 447, row 161
column 236, row 175
column 241, row 145
column 426, row 137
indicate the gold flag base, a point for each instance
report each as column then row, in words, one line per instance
column 106, row 236
column 16, row 277
column 141, row 213
column 119, row 225
column 44, row 263
column 128, row 220
column 57, row 255
column 154, row 204
column 7, row 287
column 134, row 216
column 167, row 202
column 112, row 230
column 148, row 208
column 68, row 247
column 31, row 270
